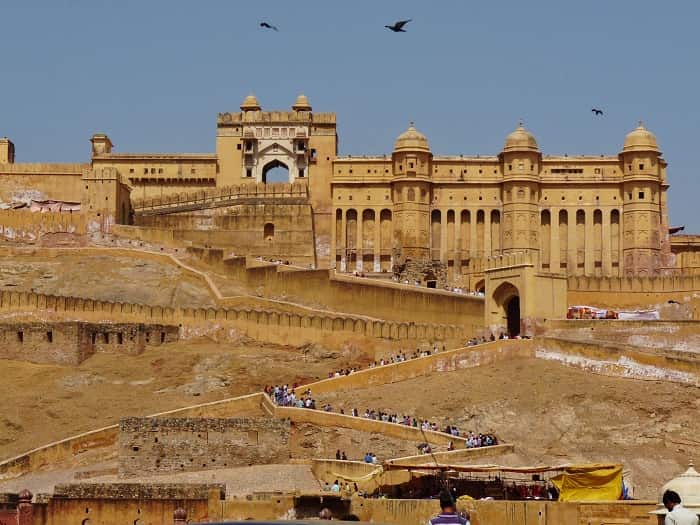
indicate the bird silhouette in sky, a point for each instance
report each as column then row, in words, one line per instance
column 268, row 26
column 597, row 111
column 398, row 26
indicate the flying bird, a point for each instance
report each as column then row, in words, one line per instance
column 268, row 26
column 398, row 26
column 597, row 111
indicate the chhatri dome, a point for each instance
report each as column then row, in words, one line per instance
column 412, row 140
column 301, row 104
column 687, row 485
column 521, row 139
column 250, row 103
column 640, row 139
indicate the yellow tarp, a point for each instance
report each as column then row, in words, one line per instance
column 586, row 484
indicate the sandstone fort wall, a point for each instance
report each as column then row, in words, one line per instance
column 70, row 343
column 384, row 300
column 152, row 445
column 630, row 292
column 290, row 328
column 24, row 226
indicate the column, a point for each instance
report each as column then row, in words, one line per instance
column 554, row 261
column 472, row 234
column 377, row 240
column 589, row 245
column 457, row 255
column 334, row 241
column 343, row 240
column 443, row 236
column 358, row 242
column 487, row 233
column 606, row 243
column 572, row 245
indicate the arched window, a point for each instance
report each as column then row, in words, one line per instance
column 269, row 231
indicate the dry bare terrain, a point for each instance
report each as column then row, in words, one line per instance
column 44, row 403
column 555, row 414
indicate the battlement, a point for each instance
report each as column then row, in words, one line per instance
column 225, row 196
column 275, row 117
column 44, row 168
column 524, row 258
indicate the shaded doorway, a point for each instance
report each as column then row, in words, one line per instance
column 513, row 316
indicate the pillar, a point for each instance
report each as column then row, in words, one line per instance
column 589, row 253
column 377, row 240
column 606, row 244
column 457, row 255
column 343, row 240
column 554, row 258
column 472, row 234
column 443, row 236
column 358, row 242
column 487, row 233
column 572, row 245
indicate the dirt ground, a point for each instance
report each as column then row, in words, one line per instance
column 44, row 403
column 555, row 414
column 106, row 278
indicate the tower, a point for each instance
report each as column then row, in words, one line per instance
column 411, row 189
column 643, row 196
column 101, row 145
column 521, row 161
column 7, row 151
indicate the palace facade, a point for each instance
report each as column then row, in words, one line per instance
column 405, row 211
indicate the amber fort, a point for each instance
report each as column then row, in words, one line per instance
column 152, row 299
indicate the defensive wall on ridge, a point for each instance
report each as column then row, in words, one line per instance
column 70, row 343
column 289, row 328
column 381, row 299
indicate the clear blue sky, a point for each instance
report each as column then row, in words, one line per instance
column 153, row 74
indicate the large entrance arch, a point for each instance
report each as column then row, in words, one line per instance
column 507, row 299
column 275, row 171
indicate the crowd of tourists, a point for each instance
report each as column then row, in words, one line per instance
column 285, row 396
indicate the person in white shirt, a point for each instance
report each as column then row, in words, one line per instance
column 677, row 513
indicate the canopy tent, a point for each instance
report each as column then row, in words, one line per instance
column 576, row 482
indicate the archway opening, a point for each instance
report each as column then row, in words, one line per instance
column 275, row 171
column 513, row 316
column 269, row 231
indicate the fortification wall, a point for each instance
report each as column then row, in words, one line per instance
column 417, row 512
column 618, row 360
column 461, row 358
column 282, row 231
column 152, row 445
column 59, row 343
column 41, row 181
column 630, row 292
column 677, row 336
column 384, row 300
column 127, row 503
column 70, row 343
column 52, row 228
column 289, row 328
